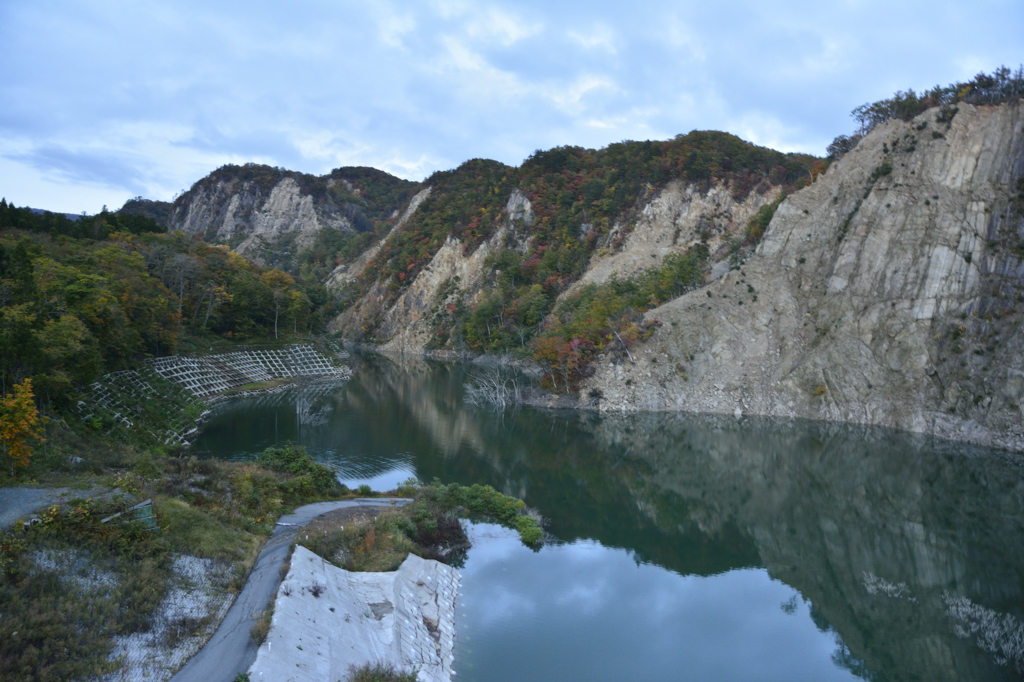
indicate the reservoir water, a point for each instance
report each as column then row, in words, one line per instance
column 687, row 547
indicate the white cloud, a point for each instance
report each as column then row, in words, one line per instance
column 569, row 98
column 394, row 25
column 25, row 185
column 492, row 24
column 413, row 168
column 487, row 23
column 90, row 102
column 322, row 145
column 768, row 131
column 476, row 79
column 599, row 37
column 678, row 36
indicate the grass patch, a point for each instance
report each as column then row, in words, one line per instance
column 200, row 533
column 70, row 584
column 261, row 628
column 757, row 225
column 362, row 544
column 379, row 672
column 260, row 385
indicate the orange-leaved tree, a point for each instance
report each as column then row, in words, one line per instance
column 19, row 423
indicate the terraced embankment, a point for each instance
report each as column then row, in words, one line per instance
column 168, row 397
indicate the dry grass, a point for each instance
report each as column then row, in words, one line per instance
column 379, row 672
column 367, row 539
column 361, row 542
column 261, row 628
column 60, row 615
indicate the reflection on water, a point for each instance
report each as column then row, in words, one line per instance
column 615, row 619
column 694, row 547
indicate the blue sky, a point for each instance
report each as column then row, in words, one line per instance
column 107, row 100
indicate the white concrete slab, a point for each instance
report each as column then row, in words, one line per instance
column 327, row 619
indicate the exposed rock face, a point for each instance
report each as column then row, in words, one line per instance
column 519, row 208
column 450, row 275
column 285, row 211
column 269, row 214
column 350, row 271
column 672, row 221
column 680, row 216
column 225, row 211
column 885, row 293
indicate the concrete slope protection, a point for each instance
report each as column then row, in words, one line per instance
column 231, row 650
column 328, row 620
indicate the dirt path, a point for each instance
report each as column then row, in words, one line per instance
column 231, row 650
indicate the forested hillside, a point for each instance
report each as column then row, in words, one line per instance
column 80, row 297
column 577, row 196
column 88, row 296
column 566, row 212
column 525, row 235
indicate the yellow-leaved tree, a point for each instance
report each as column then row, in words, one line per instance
column 19, row 423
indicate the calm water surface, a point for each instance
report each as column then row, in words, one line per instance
column 688, row 547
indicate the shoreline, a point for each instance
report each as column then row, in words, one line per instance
column 938, row 425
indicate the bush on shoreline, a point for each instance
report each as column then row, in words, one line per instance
column 293, row 459
column 428, row 527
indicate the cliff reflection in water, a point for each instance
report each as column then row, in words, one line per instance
column 911, row 549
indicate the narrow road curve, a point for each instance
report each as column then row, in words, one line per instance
column 231, row 650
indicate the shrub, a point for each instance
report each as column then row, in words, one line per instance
column 485, row 502
column 759, row 223
column 261, row 628
column 379, row 672
column 842, row 144
column 608, row 316
column 56, row 629
column 293, row 459
column 1003, row 85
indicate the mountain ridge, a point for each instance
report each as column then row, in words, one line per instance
column 878, row 285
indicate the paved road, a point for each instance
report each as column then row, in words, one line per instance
column 231, row 650
column 19, row 503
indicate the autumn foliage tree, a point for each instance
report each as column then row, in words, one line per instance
column 73, row 308
column 20, row 423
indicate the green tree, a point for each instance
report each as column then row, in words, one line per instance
column 279, row 284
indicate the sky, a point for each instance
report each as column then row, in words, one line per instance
column 103, row 101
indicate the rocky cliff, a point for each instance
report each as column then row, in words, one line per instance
column 887, row 292
column 674, row 219
column 270, row 214
column 486, row 251
column 883, row 291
